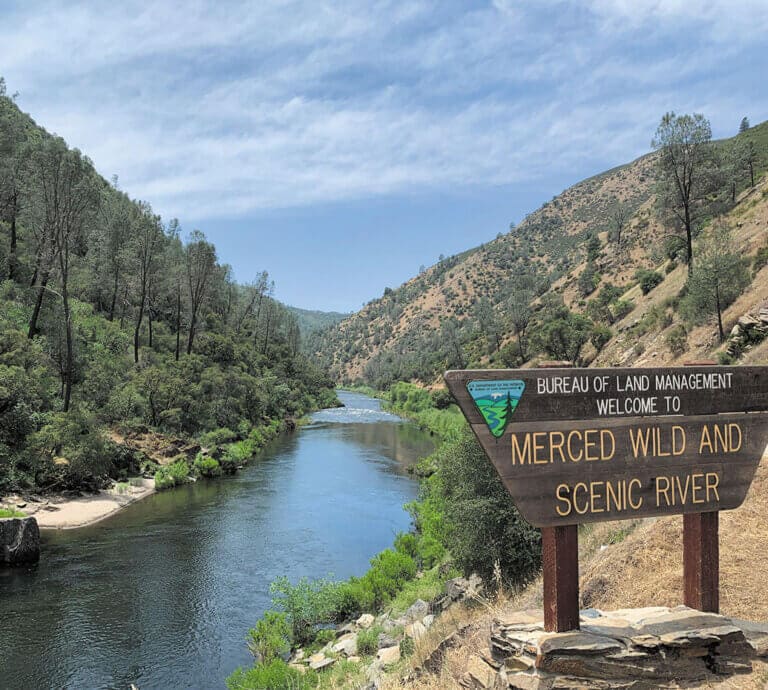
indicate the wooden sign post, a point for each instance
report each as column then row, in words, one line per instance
column 588, row 445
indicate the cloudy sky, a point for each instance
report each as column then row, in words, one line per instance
column 340, row 145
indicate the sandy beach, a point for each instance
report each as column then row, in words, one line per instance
column 71, row 513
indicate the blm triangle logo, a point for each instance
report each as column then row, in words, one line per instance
column 496, row 401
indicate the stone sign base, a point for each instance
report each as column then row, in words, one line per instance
column 639, row 649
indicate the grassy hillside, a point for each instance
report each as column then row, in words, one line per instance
column 567, row 259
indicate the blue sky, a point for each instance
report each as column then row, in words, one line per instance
column 341, row 145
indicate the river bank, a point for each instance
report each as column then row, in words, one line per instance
column 60, row 512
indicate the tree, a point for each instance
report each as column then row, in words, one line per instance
column 201, row 261
column 13, row 154
column 686, row 171
column 65, row 201
column 520, row 313
column 620, row 215
column 147, row 242
column 744, row 126
column 718, row 279
column 564, row 336
column 482, row 525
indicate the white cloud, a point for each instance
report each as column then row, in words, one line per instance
column 222, row 108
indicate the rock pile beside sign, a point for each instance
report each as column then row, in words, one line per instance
column 19, row 541
column 648, row 648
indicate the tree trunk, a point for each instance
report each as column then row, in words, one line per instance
column 137, row 332
column 12, row 250
column 114, row 297
column 719, row 313
column 689, row 238
column 178, row 322
column 149, row 320
column 752, row 172
column 192, row 324
column 38, row 305
column 70, row 357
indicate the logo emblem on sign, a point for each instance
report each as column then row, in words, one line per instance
column 496, row 401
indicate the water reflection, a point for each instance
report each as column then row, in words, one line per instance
column 163, row 593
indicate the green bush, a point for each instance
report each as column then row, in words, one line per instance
column 677, row 340
column 647, row 280
column 308, row 604
column 207, row 467
column 276, row 675
column 482, row 524
column 407, row 646
column 601, row 334
column 270, row 638
column 368, row 640
column 217, row 437
column 621, row 308
column 172, row 475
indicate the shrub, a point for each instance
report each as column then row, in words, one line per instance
column 270, row 638
column 179, row 471
column 601, row 334
column 172, row 475
column 368, row 640
column 621, row 308
column 217, row 437
column 407, row 646
column 481, row 522
column 677, row 340
column 724, row 358
column 276, row 675
column 647, row 280
column 207, row 467
column 761, row 259
column 307, row 605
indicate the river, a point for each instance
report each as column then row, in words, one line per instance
column 163, row 593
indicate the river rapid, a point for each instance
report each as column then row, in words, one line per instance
column 163, row 593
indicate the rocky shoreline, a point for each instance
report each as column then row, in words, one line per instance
column 19, row 541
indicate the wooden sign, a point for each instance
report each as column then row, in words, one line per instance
column 588, row 445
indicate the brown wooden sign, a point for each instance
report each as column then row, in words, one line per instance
column 587, row 445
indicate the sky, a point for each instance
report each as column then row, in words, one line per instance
column 341, row 145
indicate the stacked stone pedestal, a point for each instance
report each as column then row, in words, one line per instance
column 633, row 648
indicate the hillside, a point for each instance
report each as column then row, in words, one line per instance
column 310, row 320
column 461, row 311
column 112, row 321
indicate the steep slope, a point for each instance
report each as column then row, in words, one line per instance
column 310, row 320
column 457, row 312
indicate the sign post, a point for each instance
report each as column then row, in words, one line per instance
column 589, row 445
column 701, row 554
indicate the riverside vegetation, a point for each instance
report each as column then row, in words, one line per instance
column 463, row 523
column 112, row 324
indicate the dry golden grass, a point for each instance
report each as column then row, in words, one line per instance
column 646, row 568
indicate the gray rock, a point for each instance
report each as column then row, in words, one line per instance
column 19, row 541
column 416, row 630
column 428, row 620
column 417, row 610
column 386, row 640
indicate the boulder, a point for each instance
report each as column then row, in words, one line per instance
column 386, row 640
column 416, row 630
column 388, row 655
column 317, row 662
column 346, row 645
column 365, row 621
column 417, row 610
column 19, row 541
